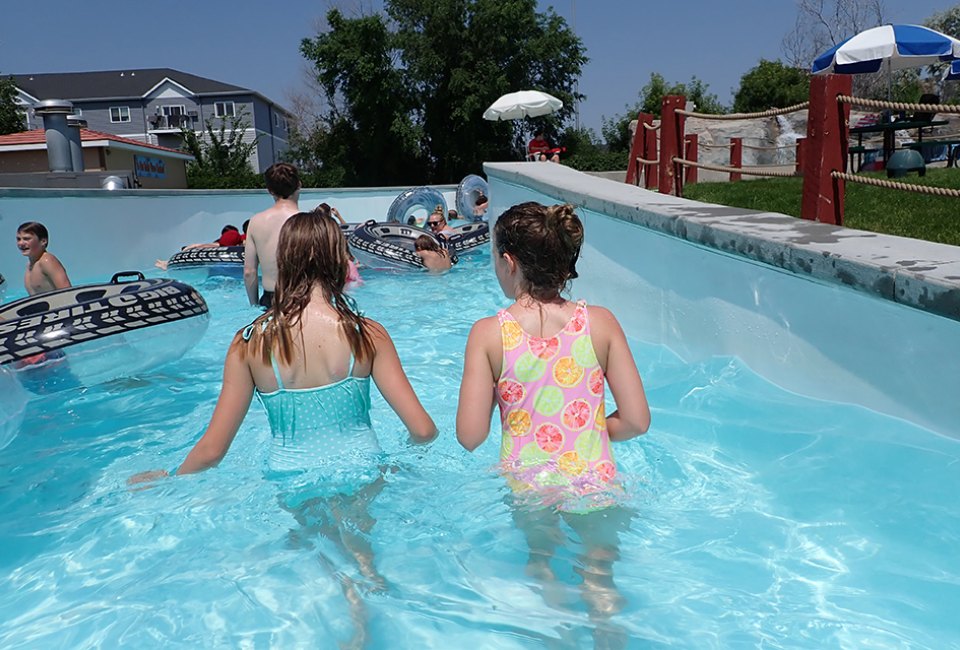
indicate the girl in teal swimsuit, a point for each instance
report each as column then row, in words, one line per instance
column 309, row 360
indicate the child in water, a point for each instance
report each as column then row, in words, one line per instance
column 545, row 361
column 435, row 258
column 309, row 360
column 44, row 271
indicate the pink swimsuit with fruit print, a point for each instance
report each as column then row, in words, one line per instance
column 551, row 397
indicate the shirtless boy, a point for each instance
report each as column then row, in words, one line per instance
column 44, row 270
column 260, row 247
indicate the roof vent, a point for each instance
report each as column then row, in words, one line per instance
column 54, row 113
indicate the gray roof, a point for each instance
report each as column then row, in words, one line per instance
column 115, row 84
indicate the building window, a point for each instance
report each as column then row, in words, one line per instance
column 174, row 110
column 280, row 121
column 224, row 109
column 119, row 114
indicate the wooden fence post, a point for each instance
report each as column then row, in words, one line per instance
column 825, row 150
column 691, row 154
column 736, row 158
column 636, row 151
column 671, row 138
column 651, row 171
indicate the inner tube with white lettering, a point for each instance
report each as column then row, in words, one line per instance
column 389, row 246
column 221, row 260
column 89, row 334
column 469, row 190
column 468, row 238
column 426, row 198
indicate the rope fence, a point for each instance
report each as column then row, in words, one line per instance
column 644, row 161
column 755, row 170
column 746, row 116
column 898, row 106
column 651, row 127
column 894, row 185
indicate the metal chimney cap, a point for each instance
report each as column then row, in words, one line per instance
column 76, row 121
column 53, row 106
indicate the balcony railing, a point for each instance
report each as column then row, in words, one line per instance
column 170, row 122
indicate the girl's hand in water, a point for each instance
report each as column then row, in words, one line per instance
column 146, row 477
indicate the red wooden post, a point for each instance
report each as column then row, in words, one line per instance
column 651, row 171
column 736, row 158
column 636, row 151
column 801, row 147
column 826, row 149
column 691, row 154
column 671, row 138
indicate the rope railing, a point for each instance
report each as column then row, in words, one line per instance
column 894, row 185
column 769, row 148
column 746, row 116
column 644, row 161
column 755, row 170
column 899, row 106
column 651, row 127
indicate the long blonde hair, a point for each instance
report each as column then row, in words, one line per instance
column 311, row 250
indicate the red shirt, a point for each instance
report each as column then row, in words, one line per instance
column 537, row 145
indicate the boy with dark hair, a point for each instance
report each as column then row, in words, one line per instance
column 260, row 246
column 44, row 270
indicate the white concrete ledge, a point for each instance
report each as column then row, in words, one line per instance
column 924, row 275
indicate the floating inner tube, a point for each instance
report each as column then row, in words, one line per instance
column 88, row 334
column 389, row 245
column 468, row 237
column 468, row 191
column 417, row 197
column 222, row 260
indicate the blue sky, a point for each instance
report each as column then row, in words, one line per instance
column 243, row 43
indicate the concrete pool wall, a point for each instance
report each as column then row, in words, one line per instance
column 828, row 312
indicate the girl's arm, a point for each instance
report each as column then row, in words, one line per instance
column 477, row 386
column 632, row 416
column 393, row 384
column 232, row 406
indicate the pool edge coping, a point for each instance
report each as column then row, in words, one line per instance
column 920, row 274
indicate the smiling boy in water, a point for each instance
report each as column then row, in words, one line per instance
column 44, row 271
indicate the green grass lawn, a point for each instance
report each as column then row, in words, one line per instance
column 877, row 209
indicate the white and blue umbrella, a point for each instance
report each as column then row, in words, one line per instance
column 952, row 72
column 890, row 48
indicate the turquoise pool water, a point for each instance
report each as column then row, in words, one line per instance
column 759, row 518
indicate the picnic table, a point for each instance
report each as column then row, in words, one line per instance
column 889, row 129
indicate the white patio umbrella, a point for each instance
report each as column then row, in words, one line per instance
column 524, row 103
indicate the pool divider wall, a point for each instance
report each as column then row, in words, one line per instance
column 710, row 280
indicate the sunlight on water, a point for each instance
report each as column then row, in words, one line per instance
column 757, row 518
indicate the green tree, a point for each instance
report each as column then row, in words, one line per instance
column 616, row 130
column 11, row 116
column 221, row 157
column 409, row 94
column 771, row 84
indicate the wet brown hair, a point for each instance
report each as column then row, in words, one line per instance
column 35, row 228
column 311, row 251
column 545, row 242
column 428, row 243
column 282, row 180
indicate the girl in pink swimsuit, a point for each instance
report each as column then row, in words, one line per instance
column 545, row 361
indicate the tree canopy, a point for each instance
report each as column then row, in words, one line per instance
column 616, row 130
column 771, row 84
column 405, row 91
column 221, row 157
column 11, row 116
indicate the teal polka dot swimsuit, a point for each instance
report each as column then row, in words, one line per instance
column 318, row 426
